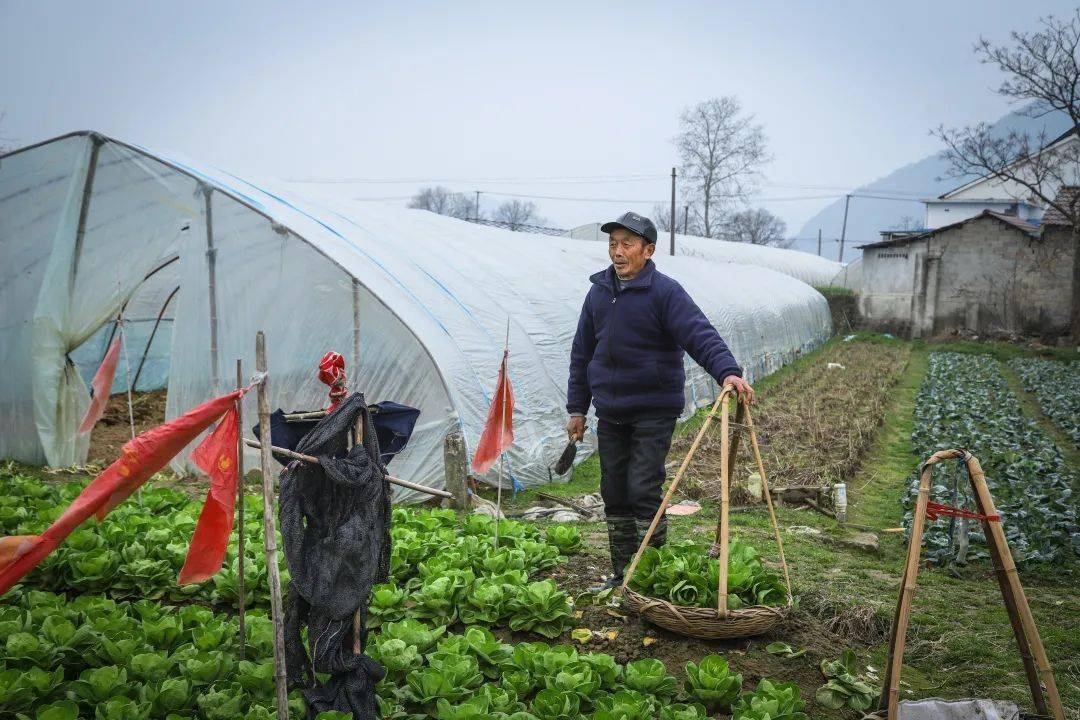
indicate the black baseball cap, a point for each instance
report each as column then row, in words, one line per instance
column 637, row 224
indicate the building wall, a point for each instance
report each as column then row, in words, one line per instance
column 984, row 277
column 887, row 285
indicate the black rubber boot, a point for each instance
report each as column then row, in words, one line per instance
column 659, row 536
column 623, row 543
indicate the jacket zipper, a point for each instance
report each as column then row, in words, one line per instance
column 611, row 341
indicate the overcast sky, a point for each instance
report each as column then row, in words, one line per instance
column 467, row 92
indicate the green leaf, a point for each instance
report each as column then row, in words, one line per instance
column 784, row 650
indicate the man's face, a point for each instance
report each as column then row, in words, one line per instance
column 628, row 252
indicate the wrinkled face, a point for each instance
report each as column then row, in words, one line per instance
column 628, row 252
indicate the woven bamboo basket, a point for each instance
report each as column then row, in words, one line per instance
column 719, row 622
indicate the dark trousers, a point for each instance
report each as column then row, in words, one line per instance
column 632, row 457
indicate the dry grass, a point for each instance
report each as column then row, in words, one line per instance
column 814, row 426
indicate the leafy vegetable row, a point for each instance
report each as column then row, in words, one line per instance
column 965, row 403
column 683, row 573
column 94, row 657
column 1057, row 387
column 443, row 569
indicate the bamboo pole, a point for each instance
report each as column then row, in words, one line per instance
column 270, row 533
column 300, row 416
column 740, row 411
column 907, row 589
column 671, row 490
column 240, row 529
column 1013, row 593
column 725, row 509
column 312, row 459
column 768, row 498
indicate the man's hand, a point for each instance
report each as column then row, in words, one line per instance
column 575, row 428
column 743, row 388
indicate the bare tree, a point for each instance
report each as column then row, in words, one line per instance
column 909, row 222
column 1042, row 70
column 687, row 218
column 721, row 152
column 516, row 213
column 443, row 202
column 757, row 226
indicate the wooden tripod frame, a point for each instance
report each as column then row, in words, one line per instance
column 1036, row 665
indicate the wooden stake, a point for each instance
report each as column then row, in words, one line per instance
column 907, row 592
column 725, row 508
column 240, row 529
column 270, row 533
column 1027, row 634
column 358, row 439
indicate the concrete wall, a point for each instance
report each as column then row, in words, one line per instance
column 984, row 277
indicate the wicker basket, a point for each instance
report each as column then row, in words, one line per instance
column 719, row 622
column 702, row 622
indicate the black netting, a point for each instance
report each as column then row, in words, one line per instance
column 335, row 525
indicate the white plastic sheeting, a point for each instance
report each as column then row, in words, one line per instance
column 434, row 295
column 811, row 269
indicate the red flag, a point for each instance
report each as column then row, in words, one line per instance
column 499, row 429
column 216, row 455
column 102, row 384
column 142, row 457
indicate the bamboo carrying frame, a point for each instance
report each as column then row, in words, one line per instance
column 709, row 623
column 1036, row 665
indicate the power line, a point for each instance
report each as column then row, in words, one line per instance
column 572, row 179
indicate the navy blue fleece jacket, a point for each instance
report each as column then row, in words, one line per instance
column 627, row 357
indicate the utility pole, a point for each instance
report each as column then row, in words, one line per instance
column 476, row 212
column 819, row 242
column 685, row 219
column 672, row 212
column 843, row 231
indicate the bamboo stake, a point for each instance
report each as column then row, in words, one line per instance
column 300, row 416
column 240, row 530
column 312, row 459
column 740, row 411
column 907, row 590
column 270, row 533
column 1013, row 592
column 671, row 491
column 725, row 509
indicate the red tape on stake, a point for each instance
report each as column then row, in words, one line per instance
column 935, row 510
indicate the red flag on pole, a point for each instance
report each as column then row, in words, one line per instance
column 499, row 429
column 142, row 457
column 216, row 455
column 102, row 385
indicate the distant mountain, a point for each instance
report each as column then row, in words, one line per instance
column 868, row 216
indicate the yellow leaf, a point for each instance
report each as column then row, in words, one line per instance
column 648, row 641
column 611, row 634
column 582, row 635
column 578, row 614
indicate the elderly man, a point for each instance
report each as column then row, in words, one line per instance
column 627, row 360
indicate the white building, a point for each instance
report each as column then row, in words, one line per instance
column 1004, row 197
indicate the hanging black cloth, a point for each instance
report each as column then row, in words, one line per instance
column 335, row 525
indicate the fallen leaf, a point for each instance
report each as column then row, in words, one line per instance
column 582, row 635
column 578, row 613
column 611, row 634
column 648, row 641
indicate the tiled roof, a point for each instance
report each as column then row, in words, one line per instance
column 1011, row 220
column 1069, row 196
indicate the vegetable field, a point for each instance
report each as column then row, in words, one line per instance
column 966, row 403
column 467, row 631
column 1056, row 385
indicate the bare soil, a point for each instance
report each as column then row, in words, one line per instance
column 814, row 426
column 114, row 428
